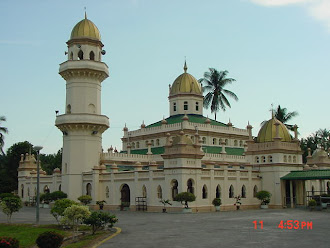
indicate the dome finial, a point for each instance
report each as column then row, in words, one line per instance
column 85, row 13
column 185, row 68
column 273, row 115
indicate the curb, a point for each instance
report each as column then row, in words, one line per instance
column 110, row 237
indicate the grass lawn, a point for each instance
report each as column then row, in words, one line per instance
column 88, row 240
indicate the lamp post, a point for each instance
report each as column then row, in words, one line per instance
column 37, row 149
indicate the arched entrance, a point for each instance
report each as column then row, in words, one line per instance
column 125, row 195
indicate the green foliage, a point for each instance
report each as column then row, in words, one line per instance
column 10, row 205
column 45, row 198
column 3, row 130
column 59, row 207
column 165, row 202
column 49, row 240
column 4, row 195
column 185, row 197
column 264, row 197
column 75, row 215
column 101, row 203
column 56, row 195
column 216, row 202
column 85, row 199
column 51, row 161
column 8, row 242
column 312, row 203
column 98, row 220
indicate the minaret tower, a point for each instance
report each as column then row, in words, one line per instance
column 82, row 124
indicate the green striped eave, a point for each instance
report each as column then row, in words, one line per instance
column 307, row 175
column 206, row 149
column 192, row 118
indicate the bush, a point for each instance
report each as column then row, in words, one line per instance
column 75, row 215
column 85, row 199
column 4, row 195
column 312, row 203
column 10, row 205
column 216, row 202
column 98, row 220
column 56, row 195
column 185, row 197
column 45, row 198
column 59, row 207
column 49, row 240
column 264, row 197
column 8, row 242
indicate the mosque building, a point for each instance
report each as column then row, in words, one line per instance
column 184, row 152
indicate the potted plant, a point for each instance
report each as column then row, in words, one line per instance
column 216, row 203
column 237, row 202
column 165, row 202
column 184, row 198
column 264, row 197
column 101, row 204
column 312, row 204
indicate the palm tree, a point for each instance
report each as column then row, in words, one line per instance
column 216, row 97
column 283, row 116
column 3, row 130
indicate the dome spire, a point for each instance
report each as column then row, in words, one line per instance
column 185, row 68
column 85, row 13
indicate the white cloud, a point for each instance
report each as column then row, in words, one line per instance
column 318, row 9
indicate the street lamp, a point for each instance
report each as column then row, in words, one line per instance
column 37, row 149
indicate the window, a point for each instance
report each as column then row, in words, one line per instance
column 226, row 141
column 174, row 185
column 46, row 189
column 89, row 189
column 174, row 106
column 80, row 55
column 91, row 55
column 284, row 158
column 218, row 192
column 144, row 191
column 235, row 142
column 289, row 160
column 185, row 105
column 294, row 159
column 152, row 143
column 255, row 191
column 243, row 193
column 91, row 108
column 190, row 187
column 107, row 192
column 28, row 191
column 197, row 107
column 22, row 189
column 146, row 143
column 204, row 192
column 204, row 140
column 133, row 145
column 313, row 190
column 270, row 159
column 263, row 159
column 68, row 109
column 159, row 192
column 137, row 144
column 231, row 191
column 220, row 141
column 71, row 56
column 214, row 141
column 60, row 188
column 256, row 159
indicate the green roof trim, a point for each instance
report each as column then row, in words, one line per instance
column 192, row 118
column 307, row 175
column 154, row 150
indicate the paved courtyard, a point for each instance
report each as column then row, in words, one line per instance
column 223, row 229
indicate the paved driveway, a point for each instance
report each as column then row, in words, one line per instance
column 223, row 229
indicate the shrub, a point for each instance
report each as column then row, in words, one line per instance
column 85, row 199
column 4, row 195
column 312, row 203
column 216, row 202
column 8, row 242
column 264, row 197
column 185, row 197
column 75, row 215
column 45, row 198
column 10, row 205
column 98, row 220
column 59, row 207
column 49, row 240
column 56, row 195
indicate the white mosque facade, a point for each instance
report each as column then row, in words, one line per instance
column 184, row 152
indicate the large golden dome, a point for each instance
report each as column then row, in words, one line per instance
column 267, row 132
column 85, row 29
column 185, row 83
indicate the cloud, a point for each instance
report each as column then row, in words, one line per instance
column 318, row 9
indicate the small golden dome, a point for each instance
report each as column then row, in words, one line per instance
column 267, row 132
column 85, row 29
column 185, row 83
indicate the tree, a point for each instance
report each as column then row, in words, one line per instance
column 284, row 116
column 75, row 215
column 85, row 199
column 3, row 130
column 51, row 161
column 98, row 220
column 10, row 205
column 216, row 97
column 264, row 197
column 59, row 207
column 185, row 197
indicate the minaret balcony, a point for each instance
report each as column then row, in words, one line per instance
column 87, row 121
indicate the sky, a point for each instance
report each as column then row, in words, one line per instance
column 277, row 50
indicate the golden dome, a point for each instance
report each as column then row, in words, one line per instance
column 182, row 139
column 85, row 29
column 267, row 132
column 186, row 83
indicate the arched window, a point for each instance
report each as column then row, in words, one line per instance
column 137, row 144
column 22, row 191
column 240, row 143
column 204, row 192
column 60, row 187
column 263, row 159
column 146, row 143
column 289, row 159
column 243, row 193
column 220, row 141
column 256, row 159
column 190, row 186
column 80, row 55
column 107, row 192
column 157, row 142
column 46, row 189
column 174, row 190
column 159, row 192
column 218, row 192
column 294, row 159
column 204, row 140
column 197, row 107
column 270, row 159
column 28, row 192
column 144, row 191
column 214, row 141
column 231, row 191
column 255, row 191
column 185, row 105
column 71, row 56
column 152, row 143
column 68, row 109
column 89, row 189
column 174, row 106
column 226, row 141
column 91, row 55
column 235, row 142
column 133, row 145
column 313, row 190
column 284, row 158
column 91, row 108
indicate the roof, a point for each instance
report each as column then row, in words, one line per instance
column 307, row 175
column 267, row 132
column 192, row 118
column 85, row 29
